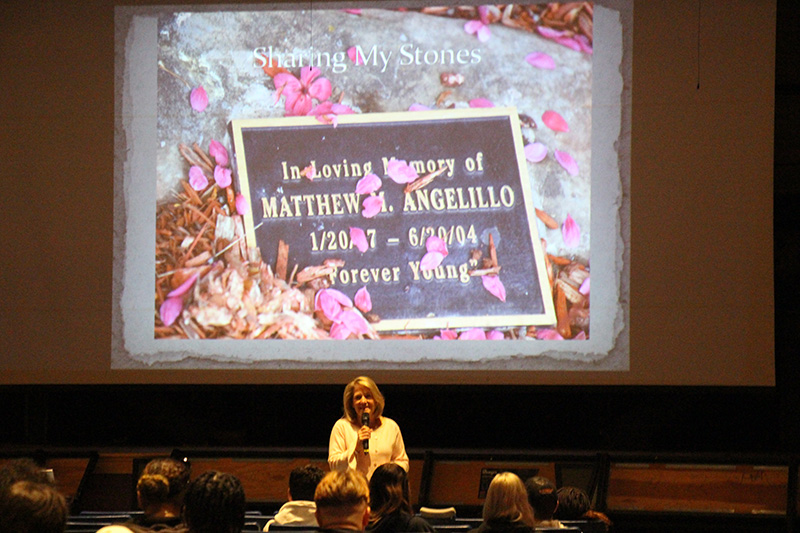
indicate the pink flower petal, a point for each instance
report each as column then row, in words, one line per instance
column 535, row 152
column 339, row 297
column 548, row 335
column 218, row 152
column 297, row 105
column 197, row 179
column 328, row 112
column 566, row 161
column 581, row 336
column 354, row 322
column 474, row 334
column 354, row 56
column 372, row 206
column 368, row 184
column 549, row 33
column 571, row 232
column 308, row 75
column 585, row 287
column 353, row 11
column 320, row 89
column 299, row 93
column 330, row 302
column 198, row 98
column 241, row 204
column 586, row 47
column 341, row 109
column 340, row 331
column 541, row 60
column 483, row 12
column 222, row 176
column 484, row 33
column 419, row 107
column 309, row 172
column 481, row 102
column 359, row 238
column 494, row 286
column 400, row 171
column 184, row 287
column 363, row 300
column 569, row 42
column 431, row 260
column 472, row 26
column 436, row 244
column 285, row 81
column 554, row 121
column 495, row 335
column 447, row 335
column 170, row 310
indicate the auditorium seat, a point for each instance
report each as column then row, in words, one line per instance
column 85, row 524
column 294, row 529
column 451, row 528
column 586, row 526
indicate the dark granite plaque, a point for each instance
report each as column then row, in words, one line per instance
column 483, row 189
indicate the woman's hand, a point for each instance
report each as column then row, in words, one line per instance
column 364, row 433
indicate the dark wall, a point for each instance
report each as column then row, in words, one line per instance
column 563, row 418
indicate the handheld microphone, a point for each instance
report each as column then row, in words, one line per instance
column 365, row 422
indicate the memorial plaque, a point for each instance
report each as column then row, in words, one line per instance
column 299, row 178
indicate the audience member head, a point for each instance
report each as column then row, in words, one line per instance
column 573, row 503
column 21, row 469
column 507, row 500
column 349, row 392
column 214, row 503
column 161, row 486
column 303, row 482
column 342, row 500
column 542, row 497
column 31, row 507
column 388, row 491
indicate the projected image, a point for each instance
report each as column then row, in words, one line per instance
column 374, row 173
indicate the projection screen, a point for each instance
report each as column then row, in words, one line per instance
column 326, row 186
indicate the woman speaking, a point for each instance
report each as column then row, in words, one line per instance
column 363, row 439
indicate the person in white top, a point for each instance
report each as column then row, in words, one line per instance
column 300, row 509
column 363, row 425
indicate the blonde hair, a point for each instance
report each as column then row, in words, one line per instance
column 349, row 392
column 507, row 500
column 342, row 491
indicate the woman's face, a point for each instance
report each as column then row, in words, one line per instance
column 362, row 399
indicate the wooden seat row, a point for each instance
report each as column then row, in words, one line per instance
column 619, row 483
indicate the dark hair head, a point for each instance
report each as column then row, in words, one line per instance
column 303, row 482
column 388, row 491
column 163, row 481
column 21, row 469
column 573, row 503
column 214, row 503
column 29, row 507
column 542, row 497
